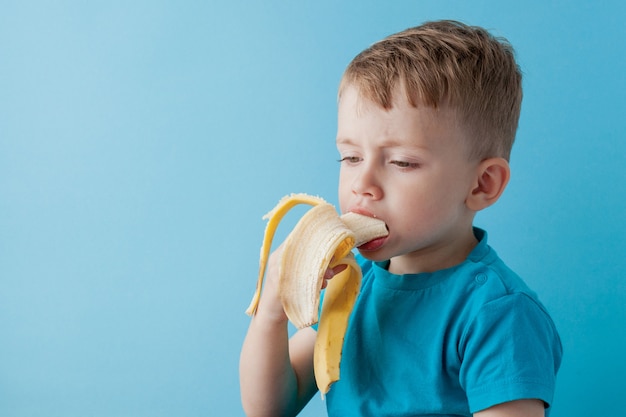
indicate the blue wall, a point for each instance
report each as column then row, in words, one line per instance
column 142, row 141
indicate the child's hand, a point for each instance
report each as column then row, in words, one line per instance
column 331, row 272
column 270, row 305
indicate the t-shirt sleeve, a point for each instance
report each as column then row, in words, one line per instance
column 510, row 351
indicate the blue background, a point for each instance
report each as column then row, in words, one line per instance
column 142, row 141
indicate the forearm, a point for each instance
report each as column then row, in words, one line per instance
column 267, row 379
column 519, row 408
column 275, row 373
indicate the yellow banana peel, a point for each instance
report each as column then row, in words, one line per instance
column 321, row 239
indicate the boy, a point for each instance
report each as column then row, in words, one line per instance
column 426, row 122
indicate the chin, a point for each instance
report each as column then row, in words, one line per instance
column 375, row 256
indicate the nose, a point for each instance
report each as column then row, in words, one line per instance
column 367, row 182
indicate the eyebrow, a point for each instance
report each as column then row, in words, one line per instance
column 342, row 141
column 386, row 144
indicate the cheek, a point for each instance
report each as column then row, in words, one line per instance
column 344, row 202
column 344, row 188
column 422, row 204
column 343, row 192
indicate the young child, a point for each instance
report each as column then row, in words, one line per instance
column 426, row 122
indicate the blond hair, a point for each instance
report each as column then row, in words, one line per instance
column 447, row 63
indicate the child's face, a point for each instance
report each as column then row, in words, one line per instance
column 409, row 167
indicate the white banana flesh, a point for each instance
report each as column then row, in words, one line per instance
column 321, row 239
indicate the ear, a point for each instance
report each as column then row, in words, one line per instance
column 492, row 176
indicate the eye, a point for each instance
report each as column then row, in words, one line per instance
column 404, row 164
column 350, row 159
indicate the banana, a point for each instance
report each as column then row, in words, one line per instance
column 321, row 239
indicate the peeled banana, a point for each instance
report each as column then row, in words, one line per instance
column 320, row 240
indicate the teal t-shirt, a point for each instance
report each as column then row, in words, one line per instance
column 448, row 343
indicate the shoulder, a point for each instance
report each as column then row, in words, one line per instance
column 492, row 278
column 499, row 292
column 509, row 349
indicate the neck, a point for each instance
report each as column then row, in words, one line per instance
column 440, row 256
